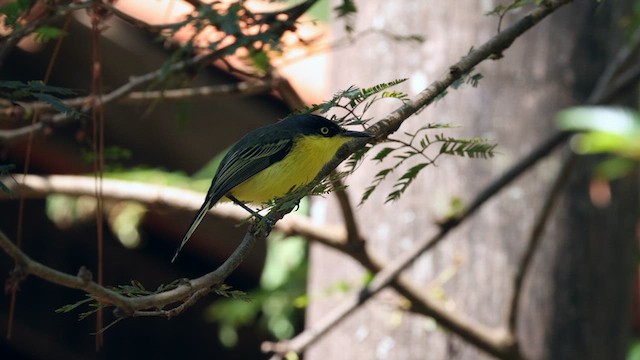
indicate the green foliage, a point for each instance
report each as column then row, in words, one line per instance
column 227, row 291
column 339, row 287
column 417, row 146
column 5, row 170
column 12, row 11
column 18, row 90
column 346, row 10
column 501, row 10
column 282, row 281
column 112, row 155
column 237, row 28
column 44, row 34
column 356, row 101
column 70, row 307
column 136, row 289
column 634, row 350
column 605, row 130
column 468, row 77
column 631, row 21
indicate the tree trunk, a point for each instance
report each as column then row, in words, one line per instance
column 576, row 300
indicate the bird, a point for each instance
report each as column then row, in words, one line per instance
column 271, row 161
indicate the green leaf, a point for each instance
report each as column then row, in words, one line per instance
column 260, row 60
column 347, row 8
column 474, row 79
column 355, row 158
column 4, row 171
column 70, row 307
column 606, row 130
column 57, row 104
column 405, row 180
column 501, row 10
column 383, row 154
column 40, row 86
column 599, row 118
column 14, row 10
column 616, row 168
column 45, row 33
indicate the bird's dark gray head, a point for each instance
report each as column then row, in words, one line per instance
column 310, row 124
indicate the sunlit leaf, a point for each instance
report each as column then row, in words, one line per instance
column 606, row 129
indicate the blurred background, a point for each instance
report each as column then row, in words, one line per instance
column 579, row 297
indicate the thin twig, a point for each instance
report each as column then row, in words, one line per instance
column 536, row 237
column 244, row 88
column 140, row 23
column 603, row 86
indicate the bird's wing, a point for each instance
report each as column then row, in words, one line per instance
column 237, row 167
column 243, row 164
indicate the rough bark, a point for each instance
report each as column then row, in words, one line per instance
column 576, row 300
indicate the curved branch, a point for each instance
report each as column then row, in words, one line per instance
column 132, row 306
column 535, row 238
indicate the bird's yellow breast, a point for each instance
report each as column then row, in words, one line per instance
column 301, row 165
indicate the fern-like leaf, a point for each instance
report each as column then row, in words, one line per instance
column 383, row 154
column 405, row 180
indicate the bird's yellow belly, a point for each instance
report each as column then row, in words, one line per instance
column 298, row 168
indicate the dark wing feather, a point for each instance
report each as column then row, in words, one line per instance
column 237, row 167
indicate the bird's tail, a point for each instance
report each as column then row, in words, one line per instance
column 209, row 202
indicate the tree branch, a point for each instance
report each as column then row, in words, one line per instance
column 390, row 124
column 131, row 306
column 8, row 136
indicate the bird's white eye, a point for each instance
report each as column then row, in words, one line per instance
column 324, row 130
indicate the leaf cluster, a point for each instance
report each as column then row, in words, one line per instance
column 502, row 10
column 346, row 10
column 6, row 170
column 235, row 27
column 416, row 147
column 13, row 11
column 19, row 90
column 354, row 102
column 136, row 289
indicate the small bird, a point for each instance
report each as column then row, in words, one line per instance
column 272, row 160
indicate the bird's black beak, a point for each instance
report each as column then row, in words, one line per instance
column 356, row 134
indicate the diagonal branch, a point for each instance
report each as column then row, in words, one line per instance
column 391, row 123
column 535, row 238
column 498, row 343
